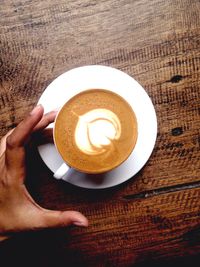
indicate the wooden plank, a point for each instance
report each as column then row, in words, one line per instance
column 155, row 54
column 155, row 215
column 121, row 232
column 129, row 231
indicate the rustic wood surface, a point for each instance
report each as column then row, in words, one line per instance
column 154, row 218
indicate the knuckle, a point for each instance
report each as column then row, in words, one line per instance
column 51, row 115
column 46, row 120
column 10, row 142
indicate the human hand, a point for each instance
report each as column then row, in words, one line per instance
column 18, row 211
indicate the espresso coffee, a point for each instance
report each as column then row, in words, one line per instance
column 95, row 131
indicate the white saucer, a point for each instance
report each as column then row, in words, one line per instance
column 93, row 77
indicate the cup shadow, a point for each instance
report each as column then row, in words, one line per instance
column 75, row 176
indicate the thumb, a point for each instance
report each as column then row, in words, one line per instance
column 54, row 219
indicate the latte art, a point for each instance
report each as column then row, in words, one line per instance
column 96, row 130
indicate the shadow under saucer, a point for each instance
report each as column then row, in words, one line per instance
column 74, row 176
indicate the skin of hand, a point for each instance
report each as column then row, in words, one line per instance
column 18, row 211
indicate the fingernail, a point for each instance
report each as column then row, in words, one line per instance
column 35, row 110
column 56, row 109
column 80, row 223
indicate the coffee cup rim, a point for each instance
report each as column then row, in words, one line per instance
column 62, row 106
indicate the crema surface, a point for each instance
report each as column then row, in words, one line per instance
column 95, row 131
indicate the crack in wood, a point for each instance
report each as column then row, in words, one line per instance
column 163, row 190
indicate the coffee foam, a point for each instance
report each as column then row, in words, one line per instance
column 96, row 130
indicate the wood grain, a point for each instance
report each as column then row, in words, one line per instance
column 155, row 215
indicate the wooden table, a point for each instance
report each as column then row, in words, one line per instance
column 154, row 218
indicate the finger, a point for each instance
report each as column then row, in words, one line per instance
column 3, row 237
column 15, row 153
column 63, row 218
column 23, row 131
column 46, row 120
column 3, row 142
column 40, row 218
column 43, row 218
